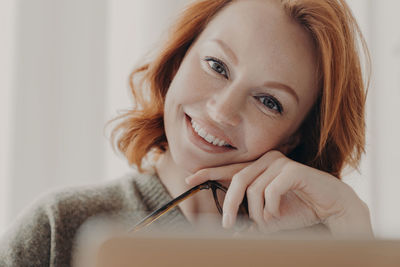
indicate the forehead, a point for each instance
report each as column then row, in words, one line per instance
column 263, row 36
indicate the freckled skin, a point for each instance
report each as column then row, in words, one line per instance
column 269, row 47
column 238, row 86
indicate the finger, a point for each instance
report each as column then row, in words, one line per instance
column 216, row 173
column 273, row 161
column 283, row 183
column 235, row 194
column 226, row 172
column 255, row 192
column 255, row 195
column 240, row 182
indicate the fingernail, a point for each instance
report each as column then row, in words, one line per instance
column 272, row 212
column 267, row 216
column 226, row 221
column 276, row 214
column 187, row 180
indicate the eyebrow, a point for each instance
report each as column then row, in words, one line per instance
column 227, row 50
column 284, row 87
column 271, row 84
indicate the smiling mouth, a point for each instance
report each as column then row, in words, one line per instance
column 209, row 138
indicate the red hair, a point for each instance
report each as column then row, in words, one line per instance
column 332, row 134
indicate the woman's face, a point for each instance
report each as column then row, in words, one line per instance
column 248, row 82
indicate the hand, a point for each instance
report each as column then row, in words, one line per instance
column 283, row 194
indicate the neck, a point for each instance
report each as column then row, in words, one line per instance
column 173, row 178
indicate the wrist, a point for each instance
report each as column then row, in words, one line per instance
column 352, row 222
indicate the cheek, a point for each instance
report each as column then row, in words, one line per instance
column 266, row 134
column 187, row 87
column 191, row 83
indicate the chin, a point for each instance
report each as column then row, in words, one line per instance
column 190, row 163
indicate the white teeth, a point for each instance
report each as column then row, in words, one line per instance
column 206, row 136
column 197, row 128
column 209, row 138
column 202, row 133
column 216, row 141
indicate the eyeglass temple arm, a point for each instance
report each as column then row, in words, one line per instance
column 170, row 205
column 243, row 208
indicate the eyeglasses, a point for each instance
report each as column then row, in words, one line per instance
column 216, row 188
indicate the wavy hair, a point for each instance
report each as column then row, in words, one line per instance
column 332, row 134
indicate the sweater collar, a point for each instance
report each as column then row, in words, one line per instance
column 155, row 195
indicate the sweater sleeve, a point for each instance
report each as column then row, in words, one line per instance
column 28, row 241
column 44, row 234
column 48, row 232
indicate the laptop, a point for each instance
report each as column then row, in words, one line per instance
column 245, row 251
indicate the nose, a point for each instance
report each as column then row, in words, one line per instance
column 224, row 106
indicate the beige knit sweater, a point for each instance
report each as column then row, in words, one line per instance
column 51, row 232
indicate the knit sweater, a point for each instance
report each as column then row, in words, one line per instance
column 51, row 231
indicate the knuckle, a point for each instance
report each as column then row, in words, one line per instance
column 274, row 157
column 283, row 161
column 238, row 179
column 275, row 154
column 289, row 166
column 203, row 172
column 244, row 171
column 252, row 190
column 271, row 191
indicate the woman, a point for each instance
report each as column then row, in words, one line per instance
column 265, row 96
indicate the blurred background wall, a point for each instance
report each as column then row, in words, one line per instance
column 64, row 73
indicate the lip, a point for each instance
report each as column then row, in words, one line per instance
column 211, row 130
column 200, row 142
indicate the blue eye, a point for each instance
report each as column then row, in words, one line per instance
column 217, row 65
column 271, row 103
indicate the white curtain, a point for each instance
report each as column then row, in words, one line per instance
column 56, row 98
column 7, row 28
column 64, row 72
